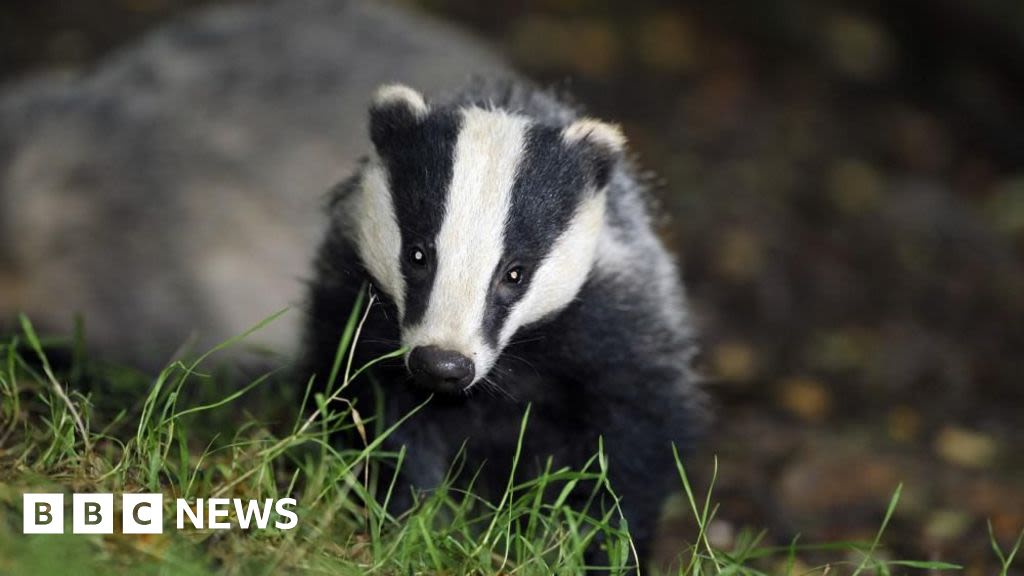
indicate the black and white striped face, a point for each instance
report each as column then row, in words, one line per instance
column 477, row 222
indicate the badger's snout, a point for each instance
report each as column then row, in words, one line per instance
column 441, row 370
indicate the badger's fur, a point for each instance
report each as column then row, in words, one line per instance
column 507, row 237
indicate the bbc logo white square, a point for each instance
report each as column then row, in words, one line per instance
column 92, row 514
column 43, row 513
column 142, row 513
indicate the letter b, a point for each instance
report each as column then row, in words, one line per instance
column 92, row 514
column 43, row 513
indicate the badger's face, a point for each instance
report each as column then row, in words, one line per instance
column 477, row 223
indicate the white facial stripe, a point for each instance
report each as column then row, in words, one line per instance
column 379, row 239
column 558, row 279
column 470, row 243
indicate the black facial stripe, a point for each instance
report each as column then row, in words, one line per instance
column 419, row 157
column 550, row 184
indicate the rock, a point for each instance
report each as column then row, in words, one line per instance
column 808, row 399
column 965, row 447
column 858, row 46
column 175, row 190
column 734, row 361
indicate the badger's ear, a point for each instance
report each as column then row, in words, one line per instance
column 602, row 145
column 395, row 108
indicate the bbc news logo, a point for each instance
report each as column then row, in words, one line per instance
column 144, row 513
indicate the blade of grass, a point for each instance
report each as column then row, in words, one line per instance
column 878, row 536
column 33, row 340
column 1004, row 559
column 700, row 517
column 345, row 344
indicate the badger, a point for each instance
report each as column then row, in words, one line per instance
column 511, row 250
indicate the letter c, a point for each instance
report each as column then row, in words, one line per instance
column 135, row 514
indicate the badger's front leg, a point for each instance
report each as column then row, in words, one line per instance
column 422, row 470
column 642, row 415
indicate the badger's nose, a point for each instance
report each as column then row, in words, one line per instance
column 442, row 370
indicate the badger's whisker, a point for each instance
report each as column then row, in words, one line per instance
column 495, row 387
column 527, row 340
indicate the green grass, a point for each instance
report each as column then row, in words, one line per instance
column 188, row 434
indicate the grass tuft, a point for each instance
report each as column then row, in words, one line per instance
column 190, row 433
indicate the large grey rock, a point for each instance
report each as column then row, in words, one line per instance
column 175, row 191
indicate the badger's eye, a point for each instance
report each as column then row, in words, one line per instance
column 514, row 275
column 417, row 256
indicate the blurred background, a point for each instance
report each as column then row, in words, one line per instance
column 844, row 184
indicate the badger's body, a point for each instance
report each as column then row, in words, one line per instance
column 509, row 239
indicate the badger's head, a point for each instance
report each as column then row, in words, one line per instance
column 477, row 222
